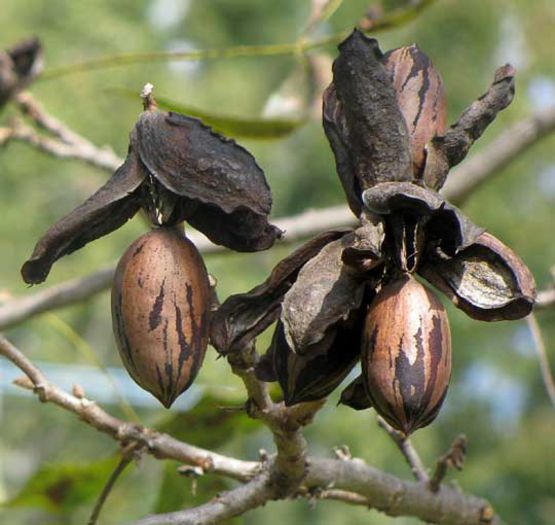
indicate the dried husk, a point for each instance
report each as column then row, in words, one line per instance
column 363, row 122
column 422, row 99
column 176, row 169
column 105, row 211
column 487, row 280
column 355, row 396
column 223, row 191
column 315, row 375
column 324, row 293
column 243, row 316
column 160, row 312
column 406, row 354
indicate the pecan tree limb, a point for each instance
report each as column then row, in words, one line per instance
column 161, row 446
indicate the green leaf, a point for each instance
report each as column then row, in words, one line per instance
column 64, row 486
column 252, row 128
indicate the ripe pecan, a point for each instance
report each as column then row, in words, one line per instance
column 406, row 354
column 160, row 308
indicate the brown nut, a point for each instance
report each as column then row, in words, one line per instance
column 406, row 354
column 160, row 308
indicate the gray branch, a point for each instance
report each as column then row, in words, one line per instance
column 350, row 480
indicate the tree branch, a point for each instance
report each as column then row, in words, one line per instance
column 347, row 478
column 159, row 445
column 231, row 503
column 511, row 143
column 539, row 344
column 404, row 444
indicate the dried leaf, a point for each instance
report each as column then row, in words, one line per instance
column 421, row 98
column 105, row 211
column 324, row 293
column 487, row 280
column 243, row 316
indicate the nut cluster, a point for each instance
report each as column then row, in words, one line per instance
column 350, row 295
column 345, row 296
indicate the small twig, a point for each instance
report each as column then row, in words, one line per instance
column 539, row 344
column 454, row 458
column 149, row 102
column 128, row 455
column 160, row 445
column 102, row 158
column 406, row 447
column 343, row 495
column 545, row 299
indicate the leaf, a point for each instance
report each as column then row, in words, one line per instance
column 62, row 487
column 235, row 126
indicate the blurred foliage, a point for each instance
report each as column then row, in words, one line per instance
column 496, row 396
column 61, row 487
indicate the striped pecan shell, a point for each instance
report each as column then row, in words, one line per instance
column 406, row 354
column 160, row 306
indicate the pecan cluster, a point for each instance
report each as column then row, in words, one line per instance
column 345, row 296
column 353, row 295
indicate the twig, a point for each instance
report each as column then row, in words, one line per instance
column 545, row 299
column 69, row 292
column 127, row 456
column 511, row 143
column 539, row 344
column 454, row 458
column 406, row 447
column 395, row 18
column 159, row 445
column 99, row 157
column 224, row 506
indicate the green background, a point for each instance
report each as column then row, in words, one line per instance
column 52, row 466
